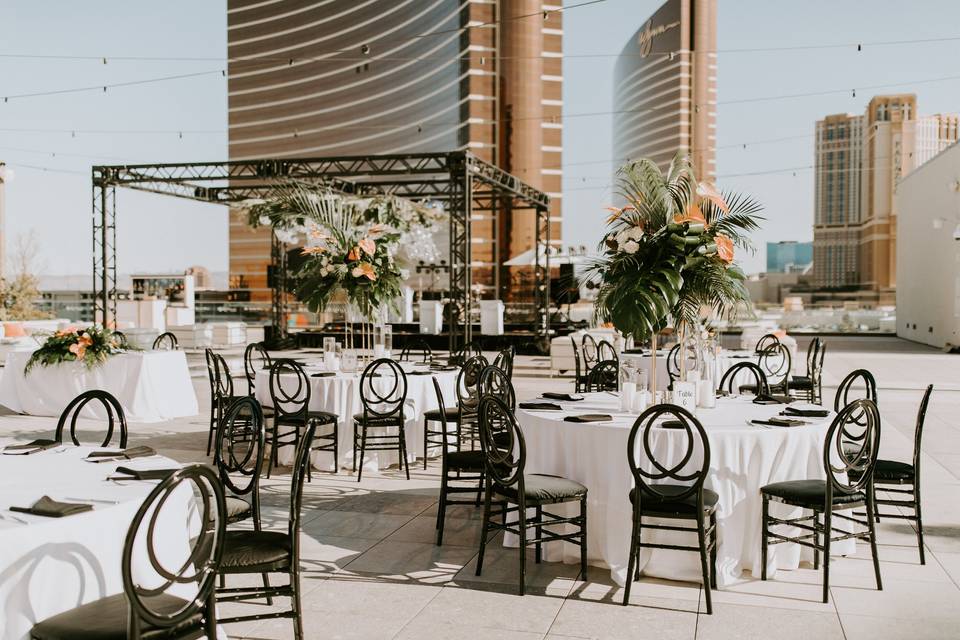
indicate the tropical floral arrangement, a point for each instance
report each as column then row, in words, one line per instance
column 350, row 243
column 91, row 346
column 669, row 253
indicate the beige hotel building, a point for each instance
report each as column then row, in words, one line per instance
column 665, row 88
column 323, row 78
column 859, row 161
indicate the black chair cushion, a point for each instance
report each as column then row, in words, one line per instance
column 106, row 619
column 808, row 493
column 801, row 383
column 887, row 471
column 388, row 421
column 249, row 551
column 544, row 488
column 465, row 460
column 322, row 417
column 237, row 507
column 684, row 506
column 449, row 413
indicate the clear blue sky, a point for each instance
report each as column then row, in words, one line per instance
column 157, row 233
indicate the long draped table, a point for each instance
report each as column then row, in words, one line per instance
column 744, row 457
column 151, row 386
column 51, row 565
column 340, row 394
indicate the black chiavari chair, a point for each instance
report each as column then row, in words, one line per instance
column 504, row 361
column 604, row 376
column 383, row 393
column 221, row 391
column 147, row 607
column 116, row 420
column 765, row 342
column 166, row 342
column 729, row 382
column 464, row 415
column 589, row 351
column 417, row 350
column 809, row 387
column 255, row 358
column 849, row 485
column 605, row 351
column 776, row 362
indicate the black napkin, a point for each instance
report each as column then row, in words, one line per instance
column 541, row 406
column 780, row 422
column 444, row 367
column 589, row 417
column 145, row 474
column 672, row 424
column 766, row 399
column 416, row 372
column 553, row 395
column 128, row 454
column 637, row 352
column 323, row 374
column 47, row 506
column 31, row 447
column 807, row 413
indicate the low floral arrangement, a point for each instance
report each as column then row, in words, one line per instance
column 91, row 346
column 669, row 253
column 347, row 245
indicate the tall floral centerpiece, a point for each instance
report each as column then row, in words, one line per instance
column 668, row 255
column 91, row 346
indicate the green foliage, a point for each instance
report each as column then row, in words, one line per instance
column 668, row 254
column 91, row 346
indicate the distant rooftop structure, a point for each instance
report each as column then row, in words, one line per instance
column 789, row 256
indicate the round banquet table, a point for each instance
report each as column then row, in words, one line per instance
column 340, row 394
column 726, row 358
column 151, row 386
column 51, row 565
column 743, row 458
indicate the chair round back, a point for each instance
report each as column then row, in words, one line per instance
column 301, row 464
column 116, row 420
column 221, row 382
column 255, row 358
column 918, row 432
column 776, row 362
column 494, row 382
column 576, row 359
column 766, row 341
column 383, row 389
column 166, row 342
column 504, row 361
column 859, row 383
column 605, row 351
column 240, row 445
column 417, row 349
column 464, row 353
column 142, row 585
column 605, row 376
column 502, row 443
column 468, row 384
column 289, row 391
column 851, row 447
column 690, row 459
column 812, row 350
column 729, row 379
column 589, row 350
column 690, row 355
column 119, row 340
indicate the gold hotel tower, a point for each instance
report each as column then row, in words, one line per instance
column 323, row 78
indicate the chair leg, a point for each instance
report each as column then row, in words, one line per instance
column 702, row 541
column 816, row 540
column 266, row 585
column 354, row 447
column 539, row 545
column 213, row 421
column 363, row 450
column 404, row 463
column 522, row 522
column 426, row 430
column 713, row 550
column 295, row 603
column 871, row 511
column 636, row 575
column 827, row 535
column 486, row 520
column 634, row 560
column 916, row 510
column 336, row 447
column 442, row 507
column 583, row 539
column 274, row 456
column 764, row 538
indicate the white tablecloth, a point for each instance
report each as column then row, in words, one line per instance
column 51, row 565
column 151, row 385
column 725, row 359
column 743, row 458
column 340, row 394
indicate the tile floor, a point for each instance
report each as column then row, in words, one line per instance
column 371, row 569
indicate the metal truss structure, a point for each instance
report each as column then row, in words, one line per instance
column 463, row 182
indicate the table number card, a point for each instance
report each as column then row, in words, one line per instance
column 685, row 395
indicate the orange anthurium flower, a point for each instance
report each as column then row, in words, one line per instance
column 367, row 269
column 724, row 248
column 707, row 191
column 693, row 214
column 368, row 246
column 354, row 254
column 616, row 213
column 309, row 251
column 78, row 350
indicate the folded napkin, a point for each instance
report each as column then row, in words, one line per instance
column 765, row 399
column 419, row 373
column 126, row 473
column 553, row 395
column 47, row 506
column 807, row 413
column 323, row 374
column 637, row 352
column 541, row 406
column 444, row 367
column 589, row 417
column 126, row 454
column 672, row 424
column 779, row 422
column 30, row 447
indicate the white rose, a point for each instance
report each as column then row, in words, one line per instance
column 634, row 233
column 264, row 220
column 631, row 246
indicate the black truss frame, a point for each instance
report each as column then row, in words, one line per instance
column 464, row 182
